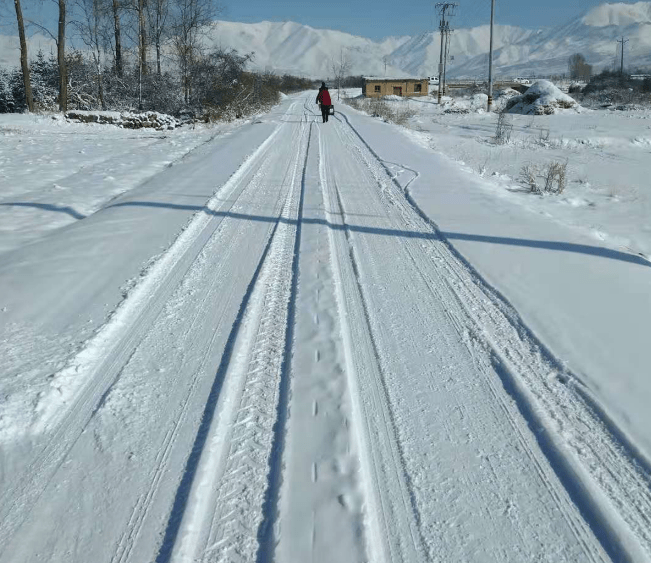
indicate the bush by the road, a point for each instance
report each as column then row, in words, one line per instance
column 615, row 89
column 394, row 112
column 221, row 87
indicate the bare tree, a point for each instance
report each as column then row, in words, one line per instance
column 93, row 30
column 142, row 35
column 118, row 36
column 60, row 40
column 340, row 70
column 138, row 7
column 158, row 12
column 24, row 62
column 61, row 57
column 191, row 19
column 579, row 68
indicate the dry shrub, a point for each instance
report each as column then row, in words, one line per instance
column 378, row 107
column 357, row 103
column 529, row 177
column 503, row 130
column 402, row 116
column 555, row 176
column 550, row 179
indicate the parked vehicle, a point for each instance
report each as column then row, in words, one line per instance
column 433, row 79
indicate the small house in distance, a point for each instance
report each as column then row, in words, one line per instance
column 407, row 87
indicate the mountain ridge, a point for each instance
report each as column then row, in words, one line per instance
column 293, row 48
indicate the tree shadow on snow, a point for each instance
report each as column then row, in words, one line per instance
column 558, row 246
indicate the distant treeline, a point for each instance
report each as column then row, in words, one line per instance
column 614, row 88
column 138, row 55
column 222, row 88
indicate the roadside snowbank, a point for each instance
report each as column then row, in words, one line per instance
column 608, row 195
column 128, row 120
column 54, row 172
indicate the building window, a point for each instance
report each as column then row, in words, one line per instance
column 377, row 88
column 418, row 87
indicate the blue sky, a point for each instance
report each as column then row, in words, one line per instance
column 380, row 18
column 369, row 18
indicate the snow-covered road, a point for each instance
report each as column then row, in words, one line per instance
column 308, row 372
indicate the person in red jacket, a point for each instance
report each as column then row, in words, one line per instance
column 323, row 98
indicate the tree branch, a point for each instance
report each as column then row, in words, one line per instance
column 42, row 28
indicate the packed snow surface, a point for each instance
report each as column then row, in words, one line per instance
column 291, row 341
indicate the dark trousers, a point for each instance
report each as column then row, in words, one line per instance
column 325, row 111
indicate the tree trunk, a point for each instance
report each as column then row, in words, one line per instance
column 118, row 40
column 143, row 35
column 159, row 34
column 100, row 86
column 24, row 62
column 61, row 51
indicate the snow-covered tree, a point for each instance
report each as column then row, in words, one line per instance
column 44, row 73
column 7, row 102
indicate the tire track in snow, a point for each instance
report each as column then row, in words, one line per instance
column 141, row 508
column 223, row 495
column 503, row 409
column 80, row 388
column 393, row 532
column 603, row 474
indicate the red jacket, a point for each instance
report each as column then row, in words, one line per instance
column 324, row 97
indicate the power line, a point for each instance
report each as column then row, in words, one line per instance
column 445, row 9
column 490, row 60
column 623, row 42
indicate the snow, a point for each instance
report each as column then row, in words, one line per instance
column 291, row 47
column 126, row 119
column 607, row 202
column 541, row 98
column 607, row 154
column 350, row 341
column 55, row 172
column 618, row 14
column 49, row 190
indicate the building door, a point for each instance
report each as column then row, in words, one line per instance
column 397, row 90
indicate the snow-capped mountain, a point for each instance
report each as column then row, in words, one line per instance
column 288, row 47
column 594, row 35
column 299, row 49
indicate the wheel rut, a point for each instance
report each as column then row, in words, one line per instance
column 80, row 388
column 226, row 485
column 575, row 448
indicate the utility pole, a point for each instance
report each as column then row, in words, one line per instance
column 446, row 58
column 623, row 42
column 490, row 60
column 441, row 59
column 444, row 26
